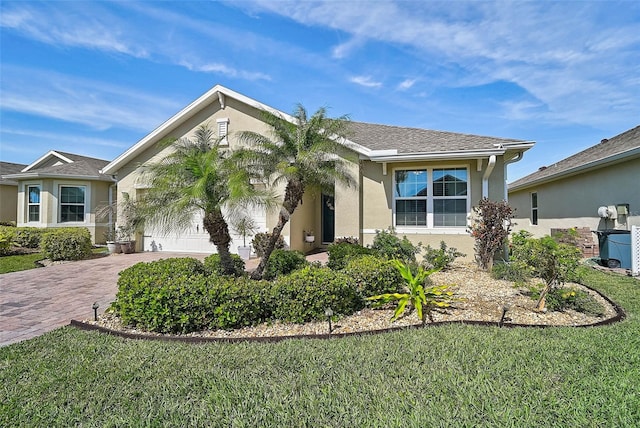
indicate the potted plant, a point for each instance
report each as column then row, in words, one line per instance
column 112, row 243
column 132, row 220
column 309, row 237
column 244, row 226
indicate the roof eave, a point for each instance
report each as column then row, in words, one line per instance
column 411, row 157
column 32, row 175
column 629, row 154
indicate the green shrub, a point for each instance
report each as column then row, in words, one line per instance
column 305, row 294
column 373, row 275
column 239, row 302
column 7, row 238
column 165, row 296
column 387, row 244
column 66, row 243
column 212, row 263
column 261, row 240
column 348, row 239
column 440, row 258
column 341, row 253
column 283, row 262
column 564, row 298
column 29, row 237
column 514, row 271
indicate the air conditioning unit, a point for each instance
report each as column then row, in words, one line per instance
column 609, row 212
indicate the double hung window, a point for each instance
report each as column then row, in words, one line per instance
column 33, row 203
column 430, row 198
column 72, row 200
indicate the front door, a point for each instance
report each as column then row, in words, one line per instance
column 328, row 219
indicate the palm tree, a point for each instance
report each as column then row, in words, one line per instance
column 199, row 176
column 302, row 155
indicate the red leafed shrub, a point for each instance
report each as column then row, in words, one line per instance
column 490, row 229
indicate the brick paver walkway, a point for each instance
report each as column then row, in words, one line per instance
column 36, row 301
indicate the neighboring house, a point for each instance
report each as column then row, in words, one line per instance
column 9, row 192
column 62, row 189
column 423, row 183
column 572, row 192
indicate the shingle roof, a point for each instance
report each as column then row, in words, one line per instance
column 9, row 168
column 82, row 166
column 625, row 144
column 416, row 140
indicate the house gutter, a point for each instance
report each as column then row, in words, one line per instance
column 61, row 176
column 485, row 176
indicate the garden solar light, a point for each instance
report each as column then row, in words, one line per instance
column 328, row 313
column 95, row 307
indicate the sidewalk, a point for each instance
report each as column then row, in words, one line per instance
column 36, row 301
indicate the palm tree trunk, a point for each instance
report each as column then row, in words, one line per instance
column 292, row 197
column 215, row 224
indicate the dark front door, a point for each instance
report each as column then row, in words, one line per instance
column 328, row 219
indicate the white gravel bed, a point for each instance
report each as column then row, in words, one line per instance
column 482, row 299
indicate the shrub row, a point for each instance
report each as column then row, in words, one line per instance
column 184, row 295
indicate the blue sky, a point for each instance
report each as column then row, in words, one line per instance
column 93, row 78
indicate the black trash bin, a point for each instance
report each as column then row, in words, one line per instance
column 615, row 247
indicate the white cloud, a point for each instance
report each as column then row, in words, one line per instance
column 88, row 102
column 366, row 81
column 579, row 58
column 406, row 84
column 217, row 68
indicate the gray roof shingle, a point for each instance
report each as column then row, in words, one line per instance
column 613, row 147
column 416, row 140
column 81, row 166
column 9, row 168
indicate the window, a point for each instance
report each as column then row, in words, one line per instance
column 445, row 205
column 72, row 203
column 450, row 197
column 33, row 203
column 534, row 208
column 411, row 190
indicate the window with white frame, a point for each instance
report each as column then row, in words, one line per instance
column 33, row 203
column 450, row 197
column 534, row 208
column 431, row 197
column 72, row 200
column 411, row 191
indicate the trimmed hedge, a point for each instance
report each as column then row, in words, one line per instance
column 180, row 296
column 7, row 238
column 66, row 243
column 305, row 294
column 283, row 262
column 30, row 237
column 373, row 275
column 212, row 263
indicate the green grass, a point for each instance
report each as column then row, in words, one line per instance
column 19, row 262
column 28, row 261
column 451, row 375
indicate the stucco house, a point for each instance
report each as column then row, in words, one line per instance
column 421, row 182
column 63, row 190
column 9, row 192
column 595, row 189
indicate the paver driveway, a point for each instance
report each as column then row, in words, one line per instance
column 35, row 301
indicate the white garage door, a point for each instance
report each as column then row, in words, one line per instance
column 196, row 239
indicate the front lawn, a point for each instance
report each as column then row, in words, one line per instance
column 452, row 375
column 19, row 262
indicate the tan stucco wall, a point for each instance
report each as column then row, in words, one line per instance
column 574, row 201
column 97, row 194
column 377, row 201
column 8, row 202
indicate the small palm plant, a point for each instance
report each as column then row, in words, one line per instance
column 423, row 299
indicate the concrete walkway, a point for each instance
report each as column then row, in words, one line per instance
column 36, row 301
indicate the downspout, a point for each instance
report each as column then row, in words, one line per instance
column 485, row 176
column 514, row 159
